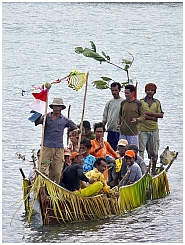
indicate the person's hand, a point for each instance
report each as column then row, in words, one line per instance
column 134, row 120
column 91, row 181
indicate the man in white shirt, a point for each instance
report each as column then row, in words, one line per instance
column 110, row 115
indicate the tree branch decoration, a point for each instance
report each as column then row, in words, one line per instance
column 104, row 83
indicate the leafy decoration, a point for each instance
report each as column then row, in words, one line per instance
column 104, row 83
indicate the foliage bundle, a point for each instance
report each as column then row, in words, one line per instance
column 69, row 207
column 104, row 83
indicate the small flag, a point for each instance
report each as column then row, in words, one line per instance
column 118, row 164
column 39, row 103
column 76, row 80
column 35, row 115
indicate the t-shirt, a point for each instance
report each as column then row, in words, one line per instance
column 110, row 114
column 54, row 130
column 139, row 161
column 135, row 173
column 88, row 163
column 91, row 136
column 72, row 176
column 106, row 150
column 128, row 111
column 150, row 125
column 98, row 176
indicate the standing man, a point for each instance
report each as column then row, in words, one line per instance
column 52, row 161
column 110, row 115
column 131, row 113
column 148, row 129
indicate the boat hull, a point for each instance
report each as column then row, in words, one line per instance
column 58, row 205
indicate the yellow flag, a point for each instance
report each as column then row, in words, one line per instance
column 76, row 80
column 118, row 164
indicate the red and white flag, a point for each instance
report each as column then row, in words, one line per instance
column 39, row 104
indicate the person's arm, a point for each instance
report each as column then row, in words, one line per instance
column 82, row 176
column 105, row 114
column 110, row 150
column 132, row 177
column 141, row 114
column 94, row 148
column 120, row 115
column 153, row 115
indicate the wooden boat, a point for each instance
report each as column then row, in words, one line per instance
column 59, row 205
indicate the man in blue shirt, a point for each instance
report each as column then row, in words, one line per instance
column 53, row 148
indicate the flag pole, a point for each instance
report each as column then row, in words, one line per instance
column 83, row 109
column 68, row 117
column 43, row 128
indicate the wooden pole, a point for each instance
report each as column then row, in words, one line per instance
column 43, row 128
column 68, row 117
column 83, row 109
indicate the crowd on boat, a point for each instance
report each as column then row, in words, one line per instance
column 89, row 165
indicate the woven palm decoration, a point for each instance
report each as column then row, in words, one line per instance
column 133, row 196
column 76, row 80
column 65, row 206
column 160, row 186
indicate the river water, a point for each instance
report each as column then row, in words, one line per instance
column 38, row 42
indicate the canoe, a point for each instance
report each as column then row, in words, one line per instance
column 59, row 205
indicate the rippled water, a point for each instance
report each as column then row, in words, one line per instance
column 38, row 42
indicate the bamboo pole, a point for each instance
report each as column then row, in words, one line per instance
column 83, row 109
column 68, row 117
column 43, row 128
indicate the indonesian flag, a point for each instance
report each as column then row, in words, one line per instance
column 39, row 104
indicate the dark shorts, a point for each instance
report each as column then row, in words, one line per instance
column 113, row 138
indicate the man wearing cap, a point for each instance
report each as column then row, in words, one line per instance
column 135, row 171
column 148, row 130
column 52, row 161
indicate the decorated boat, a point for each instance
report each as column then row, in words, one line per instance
column 59, row 205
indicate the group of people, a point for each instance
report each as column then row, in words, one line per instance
column 97, row 165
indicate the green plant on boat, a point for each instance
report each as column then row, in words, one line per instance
column 104, row 83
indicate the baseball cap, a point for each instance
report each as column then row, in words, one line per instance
column 74, row 154
column 130, row 153
column 123, row 142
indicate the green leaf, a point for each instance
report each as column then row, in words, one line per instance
column 100, row 84
column 89, row 53
column 126, row 67
column 123, row 84
column 106, row 56
column 106, row 78
column 124, row 61
column 93, row 46
column 79, row 50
